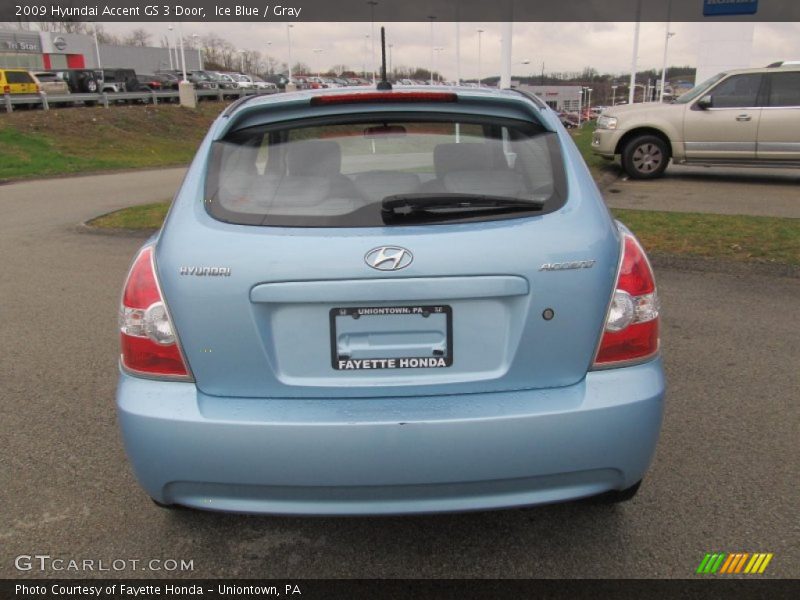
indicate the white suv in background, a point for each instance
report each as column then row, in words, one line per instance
column 744, row 117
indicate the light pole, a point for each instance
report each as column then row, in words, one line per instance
column 183, row 55
column 241, row 60
column 588, row 103
column 458, row 52
column 432, row 19
column 668, row 35
column 97, row 48
column 196, row 37
column 390, row 60
column 289, row 39
column 169, row 48
column 480, row 31
column 318, row 51
column 438, row 50
column 635, row 56
column 372, row 5
column 186, row 91
column 364, row 61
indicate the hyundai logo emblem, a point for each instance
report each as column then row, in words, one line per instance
column 389, row 258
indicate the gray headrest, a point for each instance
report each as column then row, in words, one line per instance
column 315, row 158
column 469, row 156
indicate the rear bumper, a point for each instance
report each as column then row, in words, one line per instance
column 392, row 455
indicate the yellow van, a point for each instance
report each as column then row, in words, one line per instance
column 17, row 81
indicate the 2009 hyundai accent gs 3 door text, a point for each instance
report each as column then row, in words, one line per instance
column 368, row 302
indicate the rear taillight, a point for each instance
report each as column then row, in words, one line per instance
column 631, row 329
column 6, row 89
column 149, row 344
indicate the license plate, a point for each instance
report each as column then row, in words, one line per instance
column 391, row 337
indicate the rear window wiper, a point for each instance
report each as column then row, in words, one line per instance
column 459, row 205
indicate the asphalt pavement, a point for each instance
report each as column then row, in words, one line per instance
column 719, row 190
column 724, row 478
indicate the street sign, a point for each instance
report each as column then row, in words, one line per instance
column 717, row 8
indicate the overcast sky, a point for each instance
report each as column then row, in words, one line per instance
column 561, row 46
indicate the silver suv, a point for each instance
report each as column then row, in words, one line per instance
column 744, row 117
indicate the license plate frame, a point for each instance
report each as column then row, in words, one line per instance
column 346, row 363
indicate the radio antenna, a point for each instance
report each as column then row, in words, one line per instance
column 383, row 84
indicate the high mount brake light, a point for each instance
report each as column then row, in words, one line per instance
column 389, row 97
column 147, row 337
column 632, row 324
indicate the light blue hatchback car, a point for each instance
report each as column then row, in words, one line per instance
column 389, row 301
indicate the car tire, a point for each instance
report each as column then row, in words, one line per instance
column 616, row 496
column 91, row 86
column 645, row 157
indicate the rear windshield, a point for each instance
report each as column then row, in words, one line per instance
column 318, row 174
column 18, row 77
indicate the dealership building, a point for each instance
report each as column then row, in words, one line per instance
column 565, row 98
column 45, row 50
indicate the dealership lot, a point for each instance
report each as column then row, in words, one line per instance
column 724, row 478
column 718, row 190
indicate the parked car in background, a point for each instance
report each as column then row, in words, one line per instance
column 17, row 81
column 223, row 80
column 568, row 120
column 316, row 83
column 126, row 79
column 81, row 81
column 202, row 80
column 454, row 322
column 168, row 81
column 278, row 80
column 243, row 81
column 149, row 82
column 742, row 117
column 50, row 83
column 263, row 85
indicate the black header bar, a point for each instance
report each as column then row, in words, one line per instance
column 399, row 10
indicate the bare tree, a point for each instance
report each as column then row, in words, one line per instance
column 68, row 26
column 271, row 64
column 137, row 37
column 103, row 37
column 301, row 68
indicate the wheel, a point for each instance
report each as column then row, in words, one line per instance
column 91, row 86
column 645, row 157
column 616, row 496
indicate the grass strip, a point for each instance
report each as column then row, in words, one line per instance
column 729, row 237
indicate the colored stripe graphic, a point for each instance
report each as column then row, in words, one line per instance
column 732, row 567
column 727, row 564
column 734, row 563
column 718, row 563
column 757, row 558
column 703, row 563
column 764, row 564
column 740, row 564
